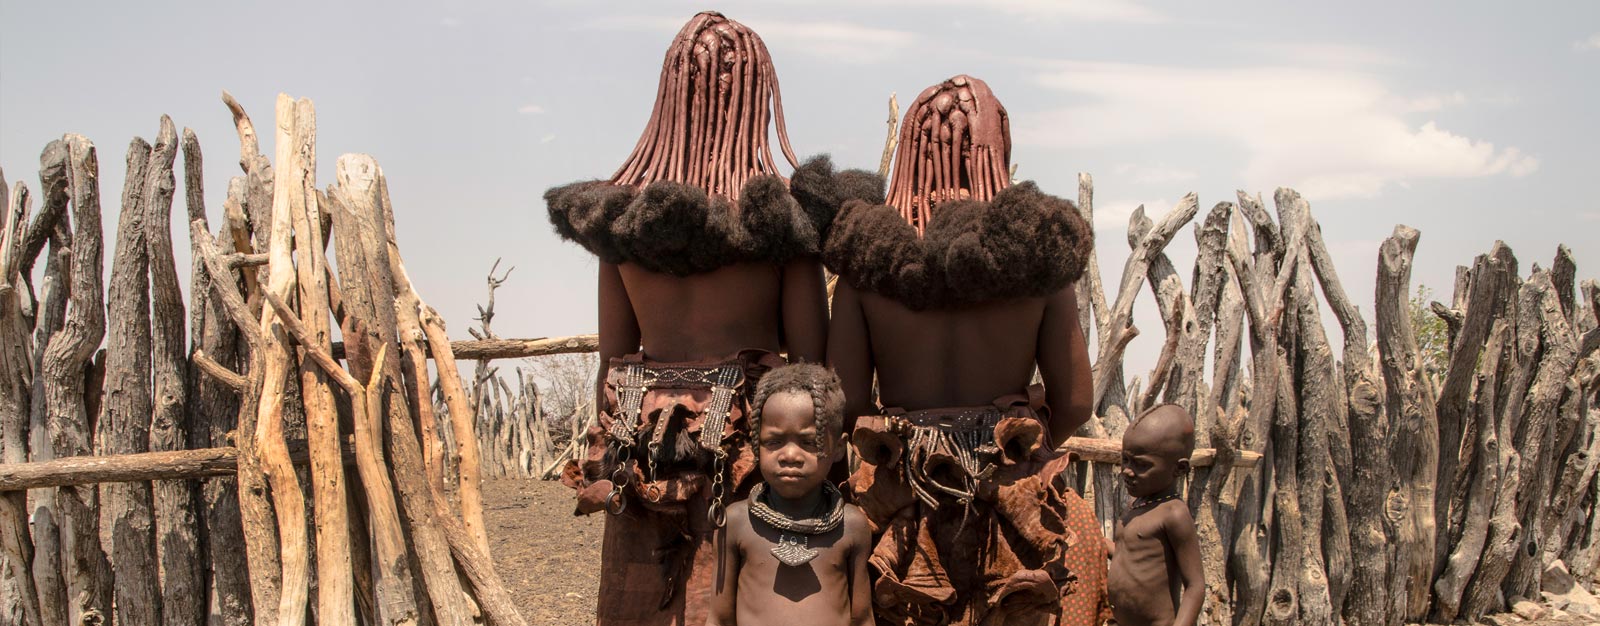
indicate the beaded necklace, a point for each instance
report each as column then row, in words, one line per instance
column 794, row 547
column 1144, row 502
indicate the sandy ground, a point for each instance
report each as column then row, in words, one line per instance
column 549, row 558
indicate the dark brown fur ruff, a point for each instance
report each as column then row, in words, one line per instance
column 677, row 229
column 1024, row 243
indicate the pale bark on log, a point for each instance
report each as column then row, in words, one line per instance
column 176, row 465
column 1515, row 378
column 1577, row 474
column 335, row 596
column 1534, row 439
column 1563, row 274
column 294, row 143
column 53, row 195
column 892, row 140
column 393, row 579
column 1260, row 597
column 1463, row 558
column 407, row 307
column 1160, row 275
column 1092, row 316
column 87, row 573
column 1229, row 348
column 1218, row 608
column 125, row 426
column 1584, row 550
column 259, row 180
column 1579, row 549
column 1414, row 430
column 259, row 528
column 43, row 514
column 1284, row 604
column 358, row 178
column 19, row 599
column 1091, row 297
column 1211, row 238
column 1117, row 328
column 213, row 409
column 1486, row 283
column 1370, row 473
column 177, row 540
column 1317, row 399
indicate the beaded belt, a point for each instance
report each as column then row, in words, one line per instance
column 723, row 380
column 966, row 436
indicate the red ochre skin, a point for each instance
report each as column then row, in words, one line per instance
column 1156, row 577
column 713, row 314
column 960, row 357
column 753, row 586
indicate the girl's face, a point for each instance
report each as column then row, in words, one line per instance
column 795, row 457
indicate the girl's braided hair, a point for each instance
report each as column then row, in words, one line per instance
column 827, row 396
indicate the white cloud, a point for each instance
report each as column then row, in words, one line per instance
column 1154, row 174
column 1434, row 102
column 450, row 22
column 633, row 22
column 1078, row 10
column 837, row 40
column 547, row 139
column 1328, row 133
column 1592, row 43
column 1321, row 54
column 1112, row 216
column 530, row 109
column 1589, row 216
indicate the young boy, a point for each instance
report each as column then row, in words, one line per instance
column 1156, row 577
column 795, row 552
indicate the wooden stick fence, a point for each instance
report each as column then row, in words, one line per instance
column 1367, row 486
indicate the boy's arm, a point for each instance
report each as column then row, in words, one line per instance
column 619, row 329
column 1064, row 365
column 805, row 311
column 860, row 586
column 850, row 353
column 727, row 586
column 1186, row 545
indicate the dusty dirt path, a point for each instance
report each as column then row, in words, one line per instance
column 548, row 557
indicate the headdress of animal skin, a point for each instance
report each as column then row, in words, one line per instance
column 701, row 189
column 955, row 231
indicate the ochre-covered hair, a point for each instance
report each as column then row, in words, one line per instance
column 708, row 128
column 816, row 381
column 955, row 143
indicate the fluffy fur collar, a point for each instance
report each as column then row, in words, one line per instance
column 1023, row 243
column 677, row 229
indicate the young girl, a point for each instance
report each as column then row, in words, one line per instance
column 795, row 552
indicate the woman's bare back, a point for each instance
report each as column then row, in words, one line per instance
column 707, row 315
column 960, row 357
column 966, row 357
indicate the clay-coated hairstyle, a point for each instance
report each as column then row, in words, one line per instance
column 816, row 381
column 708, row 128
column 955, row 143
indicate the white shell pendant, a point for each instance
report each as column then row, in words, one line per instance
column 793, row 550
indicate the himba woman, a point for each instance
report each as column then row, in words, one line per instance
column 708, row 270
column 952, row 294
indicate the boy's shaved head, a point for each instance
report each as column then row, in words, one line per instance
column 1167, row 428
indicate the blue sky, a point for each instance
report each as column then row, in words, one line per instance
column 1471, row 121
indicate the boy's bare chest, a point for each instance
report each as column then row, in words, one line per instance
column 1142, row 536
